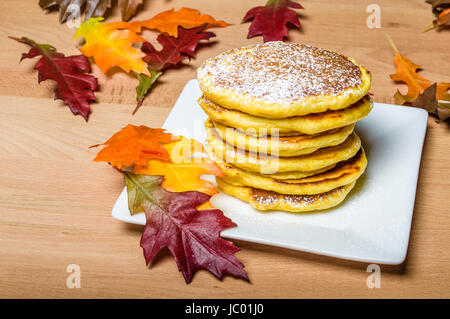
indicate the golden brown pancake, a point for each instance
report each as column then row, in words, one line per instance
column 271, row 164
column 267, row 200
column 291, row 145
column 278, row 80
column 343, row 173
column 308, row 124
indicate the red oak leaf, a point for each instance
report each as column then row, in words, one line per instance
column 174, row 49
column 271, row 20
column 74, row 87
column 191, row 235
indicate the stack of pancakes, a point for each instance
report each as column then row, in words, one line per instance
column 281, row 120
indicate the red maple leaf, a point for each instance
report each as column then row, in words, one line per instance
column 74, row 87
column 174, row 49
column 191, row 235
column 271, row 20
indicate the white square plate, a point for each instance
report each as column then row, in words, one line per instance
column 371, row 225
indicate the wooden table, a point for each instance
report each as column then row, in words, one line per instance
column 55, row 203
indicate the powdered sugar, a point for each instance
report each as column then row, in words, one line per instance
column 278, row 71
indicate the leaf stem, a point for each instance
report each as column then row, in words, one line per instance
column 391, row 42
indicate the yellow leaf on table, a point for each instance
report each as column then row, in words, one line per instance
column 111, row 47
column 183, row 172
column 169, row 21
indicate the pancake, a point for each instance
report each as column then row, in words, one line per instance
column 343, row 173
column 270, row 164
column 267, row 200
column 309, row 124
column 282, row 145
column 278, row 80
column 298, row 174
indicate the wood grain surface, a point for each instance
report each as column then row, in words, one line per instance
column 55, row 203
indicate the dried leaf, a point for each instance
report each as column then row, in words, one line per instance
column 169, row 21
column 74, row 86
column 111, row 47
column 192, row 236
column 134, row 146
column 406, row 72
column 128, row 8
column 420, row 89
column 427, row 100
column 442, row 20
column 183, row 172
column 272, row 20
column 93, row 8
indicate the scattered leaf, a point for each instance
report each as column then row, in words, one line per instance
column 192, row 236
column 134, row 146
column 271, row 20
column 183, row 172
column 420, row 89
column 145, row 83
column 111, row 47
column 442, row 20
column 93, row 8
column 406, row 72
column 74, row 86
column 169, row 21
column 173, row 51
column 128, row 8
column 427, row 100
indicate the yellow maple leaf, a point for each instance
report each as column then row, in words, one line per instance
column 110, row 47
column 184, row 171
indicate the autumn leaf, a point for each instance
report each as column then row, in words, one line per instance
column 169, row 21
column 134, row 146
column 192, row 236
column 183, row 172
column 406, row 72
column 442, row 20
column 173, row 51
column 111, row 47
column 145, row 83
column 272, row 20
column 427, row 100
column 128, row 8
column 74, row 86
column 92, row 8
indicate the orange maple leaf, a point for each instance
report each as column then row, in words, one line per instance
column 135, row 146
column 169, row 21
column 406, row 72
column 184, row 171
column 110, row 47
